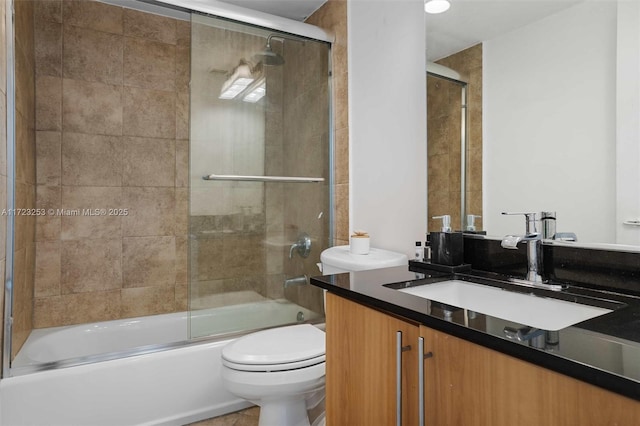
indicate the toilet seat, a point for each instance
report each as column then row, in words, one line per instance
column 278, row 349
column 274, row 367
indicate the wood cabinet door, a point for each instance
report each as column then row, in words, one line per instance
column 361, row 366
column 467, row 384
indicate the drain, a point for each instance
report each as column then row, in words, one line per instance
column 300, row 316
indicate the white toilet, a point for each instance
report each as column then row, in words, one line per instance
column 282, row 369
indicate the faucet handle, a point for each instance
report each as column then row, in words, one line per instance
column 530, row 219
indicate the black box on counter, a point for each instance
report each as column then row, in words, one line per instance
column 447, row 248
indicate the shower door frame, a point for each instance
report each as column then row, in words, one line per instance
column 218, row 10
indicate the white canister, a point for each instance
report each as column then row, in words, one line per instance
column 359, row 243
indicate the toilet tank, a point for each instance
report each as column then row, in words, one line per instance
column 338, row 259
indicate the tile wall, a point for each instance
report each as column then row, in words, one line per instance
column 25, row 188
column 443, row 135
column 332, row 16
column 112, row 102
column 305, row 145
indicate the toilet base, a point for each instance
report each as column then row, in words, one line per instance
column 284, row 412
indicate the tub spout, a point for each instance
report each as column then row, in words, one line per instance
column 300, row 280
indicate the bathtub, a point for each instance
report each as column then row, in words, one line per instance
column 140, row 371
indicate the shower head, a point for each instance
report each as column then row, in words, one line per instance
column 267, row 56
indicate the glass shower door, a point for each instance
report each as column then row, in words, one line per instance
column 259, row 176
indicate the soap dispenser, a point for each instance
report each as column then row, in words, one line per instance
column 446, row 246
column 471, row 225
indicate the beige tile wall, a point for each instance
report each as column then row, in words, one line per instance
column 332, row 16
column 112, row 101
column 443, row 128
column 25, row 198
column 306, row 153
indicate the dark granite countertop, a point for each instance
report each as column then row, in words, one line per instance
column 603, row 351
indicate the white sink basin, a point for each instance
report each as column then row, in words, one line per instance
column 539, row 312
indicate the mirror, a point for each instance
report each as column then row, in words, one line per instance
column 560, row 106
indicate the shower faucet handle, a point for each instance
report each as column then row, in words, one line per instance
column 302, row 246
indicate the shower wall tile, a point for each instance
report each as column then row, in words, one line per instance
column 182, row 260
column 149, row 113
column 48, row 49
column 48, row 158
column 48, row 103
column 48, row 269
column 24, row 29
column 151, row 212
column 341, row 194
column 94, row 15
column 149, row 261
column 24, row 248
column 332, row 16
column 149, row 64
column 182, row 116
column 148, row 162
column 54, row 311
column 182, row 163
column 208, row 255
column 341, row 168
column 112, row 115
column 235, row 259
column 25, row 83
column 93, row 108
column 144, row 301
column 48, row 226
column 91, row 160
column 25, row 150
column 182, row 211
column 182, row 296
column 183, row 33
column 91, row 265
column 91, row 55
column 22, row 232
column 183, row 68
column 443, row 135
column 150, row 26
column 47, row 11
column 90, row 226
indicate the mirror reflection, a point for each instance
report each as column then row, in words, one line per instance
column 554, row 88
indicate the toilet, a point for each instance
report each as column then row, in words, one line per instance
column 282, row 369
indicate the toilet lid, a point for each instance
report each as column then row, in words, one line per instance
column 294, row 345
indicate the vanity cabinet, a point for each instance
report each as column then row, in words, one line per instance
column 465, row 383
column 361, row 368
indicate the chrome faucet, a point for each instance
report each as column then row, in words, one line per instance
column 302, row 246
column 533, row 239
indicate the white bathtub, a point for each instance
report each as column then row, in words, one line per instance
column 162, row 387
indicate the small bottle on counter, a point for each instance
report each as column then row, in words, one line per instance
column 419, row 252
column 427, row 249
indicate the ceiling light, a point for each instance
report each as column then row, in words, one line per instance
column 436, row 6
column 240, row 78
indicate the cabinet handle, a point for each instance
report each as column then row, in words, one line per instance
column 399, row 350
column 421, row 357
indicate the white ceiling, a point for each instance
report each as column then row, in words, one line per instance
column 469, row 22
column 297, row 10
column 465, row 24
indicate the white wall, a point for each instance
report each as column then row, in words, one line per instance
column 628, row 125
column 387, row 122
column 549, row 123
